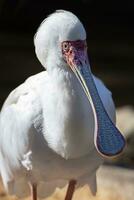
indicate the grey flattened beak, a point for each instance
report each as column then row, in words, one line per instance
column 107, row 138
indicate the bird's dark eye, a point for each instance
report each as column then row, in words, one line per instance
column 65, row 46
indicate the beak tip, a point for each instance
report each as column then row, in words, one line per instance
column 110, row 145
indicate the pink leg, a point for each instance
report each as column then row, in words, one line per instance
column 70, row 190
column 33, row 188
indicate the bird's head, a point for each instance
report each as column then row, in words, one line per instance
column 60, row 41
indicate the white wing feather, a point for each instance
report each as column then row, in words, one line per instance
column 18, row 120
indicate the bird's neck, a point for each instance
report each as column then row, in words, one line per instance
column 62, row 76
column 69, row 115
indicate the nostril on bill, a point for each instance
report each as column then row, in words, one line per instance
column 70, row 51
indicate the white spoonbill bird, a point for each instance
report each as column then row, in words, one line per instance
column 58, row 125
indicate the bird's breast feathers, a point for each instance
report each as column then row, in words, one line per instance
column 68, row 120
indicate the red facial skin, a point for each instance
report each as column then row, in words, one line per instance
column 74, row 52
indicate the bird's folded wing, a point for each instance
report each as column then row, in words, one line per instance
column 17, row 117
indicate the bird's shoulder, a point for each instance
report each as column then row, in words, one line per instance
column 23, row 104
column 27, row 91
column 101, row 86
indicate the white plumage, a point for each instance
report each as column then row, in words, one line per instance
column 47, row 123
